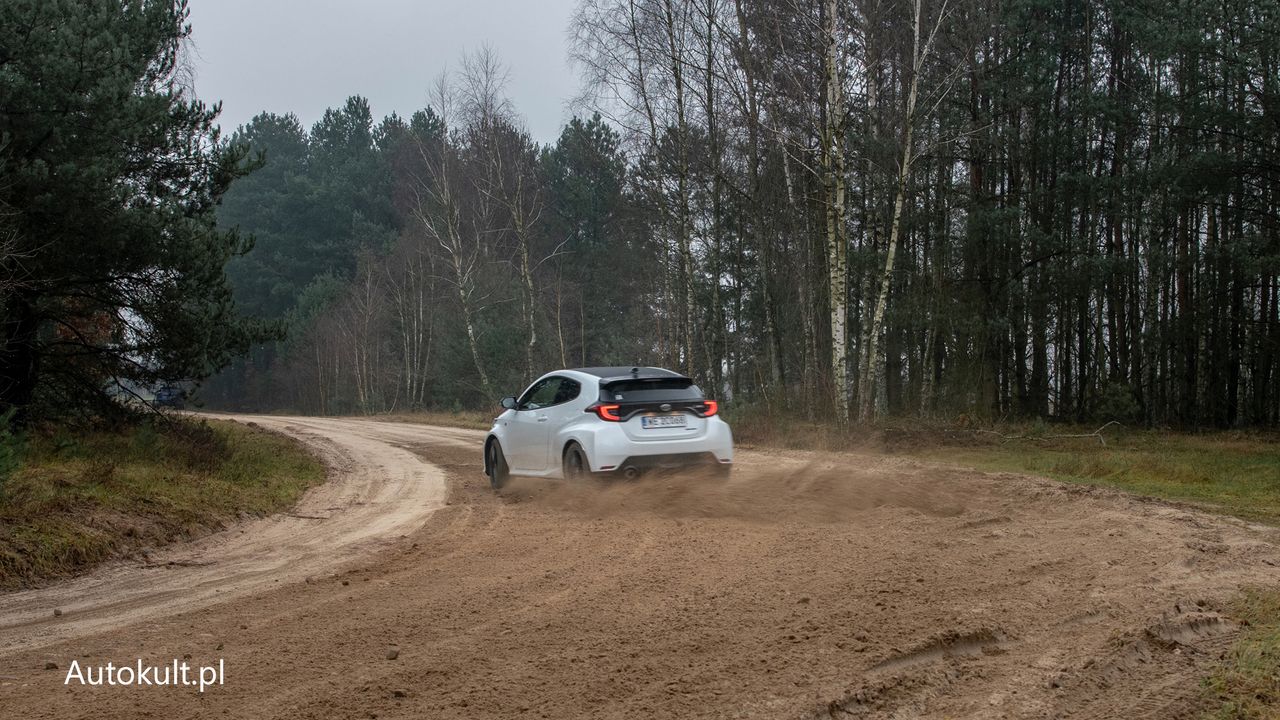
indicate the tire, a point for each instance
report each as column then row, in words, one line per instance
column 496, row 463
column 574, row 464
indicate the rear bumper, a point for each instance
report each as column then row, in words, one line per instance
column 610, row 449
column 672, row 461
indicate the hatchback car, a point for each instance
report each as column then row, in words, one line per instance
column 606, row 420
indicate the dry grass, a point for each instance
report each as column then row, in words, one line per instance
column 1231, row 473
column 1247, row 686
column 75, row 501
column 470, row 419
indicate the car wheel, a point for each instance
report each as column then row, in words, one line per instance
column 574, row 464
column 496, row 462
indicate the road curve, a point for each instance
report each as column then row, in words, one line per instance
column 377, row 491
column 809, row 585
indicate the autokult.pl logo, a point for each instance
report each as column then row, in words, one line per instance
column 139, row 674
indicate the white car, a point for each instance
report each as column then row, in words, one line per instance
column 624, row 420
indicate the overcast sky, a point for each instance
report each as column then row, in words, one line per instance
column 303, row 56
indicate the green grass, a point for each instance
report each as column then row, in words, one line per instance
column 1247, row 685
column 1233, row 473
column 77, row 500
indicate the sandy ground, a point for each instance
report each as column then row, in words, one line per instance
column 808, row 586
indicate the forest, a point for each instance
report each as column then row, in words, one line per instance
column 833, row 209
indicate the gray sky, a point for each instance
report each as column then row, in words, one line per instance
column 303, row 56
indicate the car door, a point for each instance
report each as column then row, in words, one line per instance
column 562, row 412
column 530, row 429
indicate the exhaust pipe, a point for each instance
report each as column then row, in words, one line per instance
column 631, row 472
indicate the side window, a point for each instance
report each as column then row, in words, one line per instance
column 569, row 389
column 541, row 394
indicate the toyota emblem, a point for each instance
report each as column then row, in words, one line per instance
column 664, row 407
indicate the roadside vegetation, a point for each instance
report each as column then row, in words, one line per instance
column 1247, row 686
column 1234, row 473
column 470, row 419
column 71, row 501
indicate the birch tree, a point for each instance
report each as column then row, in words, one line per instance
column 438, row 209
column 920, row 50
column 509, row 176
column 411, row 285
column 833, row 169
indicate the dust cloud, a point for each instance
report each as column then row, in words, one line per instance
column 812, row 491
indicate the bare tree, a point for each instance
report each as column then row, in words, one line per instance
column 438, row 210
column 360, row 326
column 920, row 50
column 411, row 286
column 510, row 176
column 633, row 55
column 749, row 108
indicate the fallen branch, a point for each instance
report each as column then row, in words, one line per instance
column 306, row 517
column 1096, row 433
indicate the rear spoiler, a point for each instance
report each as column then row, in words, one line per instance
column 642, row 375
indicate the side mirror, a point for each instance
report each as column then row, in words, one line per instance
column 509, row 402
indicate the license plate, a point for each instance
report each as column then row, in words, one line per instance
column 649, row 422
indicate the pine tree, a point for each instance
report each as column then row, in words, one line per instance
column 112, row 173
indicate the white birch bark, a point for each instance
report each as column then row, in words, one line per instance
column 837, row 245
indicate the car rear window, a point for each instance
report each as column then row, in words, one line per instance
column 656, row 390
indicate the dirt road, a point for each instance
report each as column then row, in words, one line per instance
column 808, row 586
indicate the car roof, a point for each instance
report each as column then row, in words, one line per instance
column 626, row 372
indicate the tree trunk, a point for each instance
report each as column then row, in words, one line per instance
column 837, row 245
column 866, row 391
column 683, row 240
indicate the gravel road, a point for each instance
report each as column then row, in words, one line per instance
column 810, row 585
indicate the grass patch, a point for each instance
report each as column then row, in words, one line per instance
column 1234, row 473
column 77, row 500
column 1247, row 685
column 470, row 419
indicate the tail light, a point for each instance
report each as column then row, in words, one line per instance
column 709, row 408
column 606, row 412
